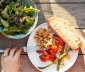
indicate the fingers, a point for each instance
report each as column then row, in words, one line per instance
column 12, row 52
column 18, row 52
column 6, row 52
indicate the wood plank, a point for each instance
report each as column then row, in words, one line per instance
column 57, row 1
column 19, row 42
column 75, row 13
column 45, row 13
column 26, row 65
column 4, row 42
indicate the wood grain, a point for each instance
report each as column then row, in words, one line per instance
column 54, row 1
column 75, row 13
column 26, row 65
column 4, row 42
column 19, row 42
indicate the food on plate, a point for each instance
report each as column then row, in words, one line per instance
column 49, row 53
column 50, row 44
column 63, row 38
column 66, row 31
column 57, row 60
column 16, row 17
column 42, row 37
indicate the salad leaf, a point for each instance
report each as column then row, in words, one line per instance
column 4, row 23
column 10, row 30
column 4, row 12
column 13, row 6
column 22, row 19
column 23, row 28
column 29, row 20
column 28, row 10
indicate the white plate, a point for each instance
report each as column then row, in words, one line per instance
column 34, row 57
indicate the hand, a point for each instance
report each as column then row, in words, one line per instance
column 82, row 40
column 10, row 60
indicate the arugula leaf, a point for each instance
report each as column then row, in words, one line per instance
column 4, row 23
column 13, row 6
column 29, row 20
column 23, row 29
column 22, row 19
column 13, row 30
column 10, row 30
column 4, row 12
column 28, row 10
column 34, row 9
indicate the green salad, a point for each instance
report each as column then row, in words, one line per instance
column 16, row 17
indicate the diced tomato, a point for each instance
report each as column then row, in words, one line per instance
column 52, row 59
column 40, row 51
column 53, row 51
column 46, row 53
column 55, row 36
column 52, row 55
column 44, row 57
column 54, row 47
column 61, row 42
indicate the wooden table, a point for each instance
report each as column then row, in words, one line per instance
column 72, row 10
